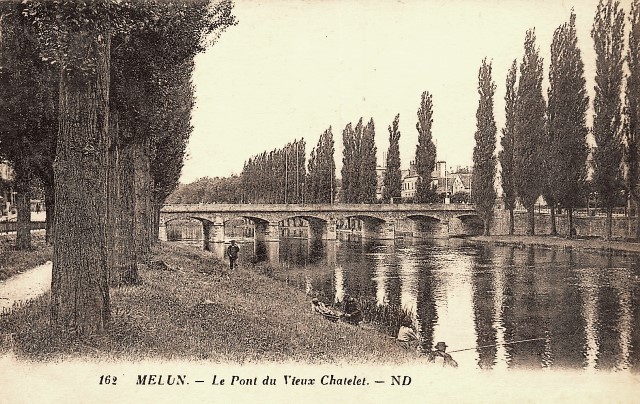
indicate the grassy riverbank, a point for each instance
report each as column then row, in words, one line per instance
column 196, row 311
column 14, row 261
column 587, row 244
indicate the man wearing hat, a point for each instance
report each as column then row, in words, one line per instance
column 232, row 253
column 439, row 355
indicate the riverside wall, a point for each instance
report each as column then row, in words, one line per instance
column 586, row 226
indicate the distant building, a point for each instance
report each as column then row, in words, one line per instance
column 446, row 183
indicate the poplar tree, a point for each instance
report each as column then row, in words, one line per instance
column 507, row 142
column 368, row 180
column 529, row 129
column 566, row 116
column 321, row 177
column 349, row 167
column 632, row 150
column 425, row 151
column 607, row 34
column 484, row 161
column 393, row 175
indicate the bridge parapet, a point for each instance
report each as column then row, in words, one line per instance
column 336, row 207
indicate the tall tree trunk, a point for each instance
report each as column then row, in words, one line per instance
column 143, row 195
column 79, row 286
column 126, row 259
column 531, row 213
column 637, row 206
column 49, row 203
column 511, row 223
column 570, row 231
column 554, row 230
column 157, row 205
column 23, row 206
column 609, row 230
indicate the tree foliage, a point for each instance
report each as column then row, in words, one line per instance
column 529, row 128
column 566, row 116
column 608, row 38
column 28, row 112
column 121, row 64
column 484, row 160
column 321, row 183
column 275, row 177
column 367, row 180
column 392, row 174
column 632, row 138
column 507, row 142
column 425, row 151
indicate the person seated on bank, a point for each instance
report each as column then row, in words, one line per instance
column 407, row 337
column 352, row 312
column 318, row 306
column 439, row 355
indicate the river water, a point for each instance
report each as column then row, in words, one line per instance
column 580, row 309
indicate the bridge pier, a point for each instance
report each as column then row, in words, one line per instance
column 217, row 231
column 267, row 231
column 388, row 231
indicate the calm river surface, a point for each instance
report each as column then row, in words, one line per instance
column 584, row 307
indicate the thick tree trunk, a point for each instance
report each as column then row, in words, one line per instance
column 23, row 206
column 157, row 205
column 79, row 286
column 126, row 259
column 122, row 260
column 511, row 223
column 50, row 203
column 531, row 228
column 143, row 198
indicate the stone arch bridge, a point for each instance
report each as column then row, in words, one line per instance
column 379, row 220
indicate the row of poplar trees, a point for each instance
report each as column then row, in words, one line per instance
column 264, row 175
column 275, row 177
column 96, row 102
column 545, row 142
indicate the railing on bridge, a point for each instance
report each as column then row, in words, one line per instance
column 336, row 207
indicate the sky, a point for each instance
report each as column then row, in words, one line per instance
column 290, row 69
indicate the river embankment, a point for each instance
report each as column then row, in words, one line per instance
column 584, row 244
column 198, row 310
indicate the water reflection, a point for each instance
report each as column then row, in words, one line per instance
column 571, row 309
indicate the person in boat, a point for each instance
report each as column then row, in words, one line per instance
column 407, row 336
column 439, row 355
column 352, row 312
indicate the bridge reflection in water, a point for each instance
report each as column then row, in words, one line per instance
column 584, row 307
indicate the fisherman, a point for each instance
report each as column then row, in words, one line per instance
column 439, row 355
column 232, row 253
column 407, row 337
column 352, row 313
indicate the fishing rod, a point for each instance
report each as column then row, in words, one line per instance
column 501, row 343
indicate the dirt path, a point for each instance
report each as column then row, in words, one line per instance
column 25, row 286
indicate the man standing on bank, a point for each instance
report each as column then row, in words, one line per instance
column 232, row 253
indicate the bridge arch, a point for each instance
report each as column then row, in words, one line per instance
column 469, row 224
